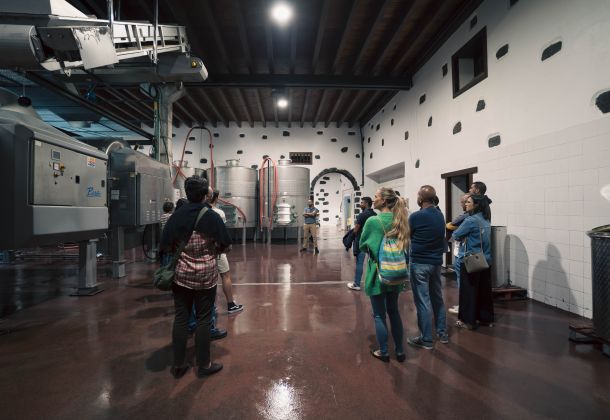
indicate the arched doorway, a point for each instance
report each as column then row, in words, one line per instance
column 336, row 194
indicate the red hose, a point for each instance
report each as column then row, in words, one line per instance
column 238, row 209
column 178, row 168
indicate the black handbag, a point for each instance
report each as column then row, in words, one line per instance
column 163, row 277
column 475, row 262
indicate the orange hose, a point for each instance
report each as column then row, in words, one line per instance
column 184, row 149
column 238, row 209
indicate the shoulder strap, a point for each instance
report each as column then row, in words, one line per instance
column 183, row 243
column 385, row 233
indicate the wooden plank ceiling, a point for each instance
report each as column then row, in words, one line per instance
column 337, row 50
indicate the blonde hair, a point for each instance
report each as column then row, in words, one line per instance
column 400, row 224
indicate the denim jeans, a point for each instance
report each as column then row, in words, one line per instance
column 387, row 302
column 193, row 320
column 359, row 267
column 184, row 300
column 456, row 266
column 428, row 297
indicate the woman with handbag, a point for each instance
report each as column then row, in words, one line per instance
column 476, row 302
column 391, row 222
column 195, row 236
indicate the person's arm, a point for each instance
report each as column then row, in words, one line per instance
column 365, row 236
column 306, row 213
column 462, row 231
column 315, row 212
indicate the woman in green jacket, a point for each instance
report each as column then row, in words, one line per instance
column 384, row 299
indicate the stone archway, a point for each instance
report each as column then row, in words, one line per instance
column 343, row 172
column 357, row 193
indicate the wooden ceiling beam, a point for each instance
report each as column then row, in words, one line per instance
column 259, row 103
column 344, row 31
column 336, row 106
column 210, row 103
column 352, row 103
column 242, row 99
column 319, row 35
column 203, row 115
column 305, row 103
column 357, row 66
column 364, row 106
column 290, row 108
column 395, row 32
column 320, row 106
column 229, row 106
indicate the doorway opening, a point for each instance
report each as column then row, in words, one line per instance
column 457, row 184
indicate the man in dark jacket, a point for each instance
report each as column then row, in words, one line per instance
column 365, row 205
column 196, row 273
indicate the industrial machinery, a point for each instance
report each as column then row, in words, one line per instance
column 55, row 186
column 284, row 191
column 138, row 188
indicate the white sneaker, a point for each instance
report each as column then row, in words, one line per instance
column 454, row 309
column 353, row 287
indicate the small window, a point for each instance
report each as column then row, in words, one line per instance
column 301, row 158
column 469, row 64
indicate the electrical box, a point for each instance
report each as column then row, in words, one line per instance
column 54, row 187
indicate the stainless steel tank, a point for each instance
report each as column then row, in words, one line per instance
column 293, row 189
column 185, row 172
column 237, row 185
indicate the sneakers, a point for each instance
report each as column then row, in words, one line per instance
column 214, row 368
column 454, row 309
column 233, row 308
column 217, row 334
column 443, row 338
column 317, row 251
column 418, row 342
column 353, row 287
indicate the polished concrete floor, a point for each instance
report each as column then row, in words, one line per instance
column 299, row 350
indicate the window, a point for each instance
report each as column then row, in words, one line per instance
column 469, row 64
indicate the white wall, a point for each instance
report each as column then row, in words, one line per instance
column 253, row 147
column 554, row 158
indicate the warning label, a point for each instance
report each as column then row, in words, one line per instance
column 90, row 162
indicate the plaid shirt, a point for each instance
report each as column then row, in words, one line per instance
column 197, row 267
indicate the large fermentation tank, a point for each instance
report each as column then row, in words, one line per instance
column 138, row 188
column 237, row 185
column 185, row 172
column 54, row 187
column 293, row 190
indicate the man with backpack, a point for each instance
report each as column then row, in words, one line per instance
column 427, row 228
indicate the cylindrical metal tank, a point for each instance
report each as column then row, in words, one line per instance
column 237, row 185
column 293, row 189
column 185, row 172
column 499, row 267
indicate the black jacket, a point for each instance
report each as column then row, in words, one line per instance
column 179, row 228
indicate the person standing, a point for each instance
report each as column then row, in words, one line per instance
column 196, row 274
column 391, row 221
column 476, row 301
column 309, row 227
column 223, row 263
column 365, row 205
column 426, row 257
column 451, row 226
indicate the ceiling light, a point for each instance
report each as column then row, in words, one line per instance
column 281, row 13
column 282, row 103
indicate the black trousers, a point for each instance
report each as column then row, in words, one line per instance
column 183, row 302
column 476, row 301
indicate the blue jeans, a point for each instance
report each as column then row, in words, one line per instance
column 456, row 266
column 428, row 297
column 359, row 268
column 387, row 302
column 192, row 324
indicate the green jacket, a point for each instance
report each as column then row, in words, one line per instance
column 370, row 240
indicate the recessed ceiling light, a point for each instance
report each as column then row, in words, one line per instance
column 281, row 13
column 282, row 103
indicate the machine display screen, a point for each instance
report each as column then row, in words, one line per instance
column 55, row 155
